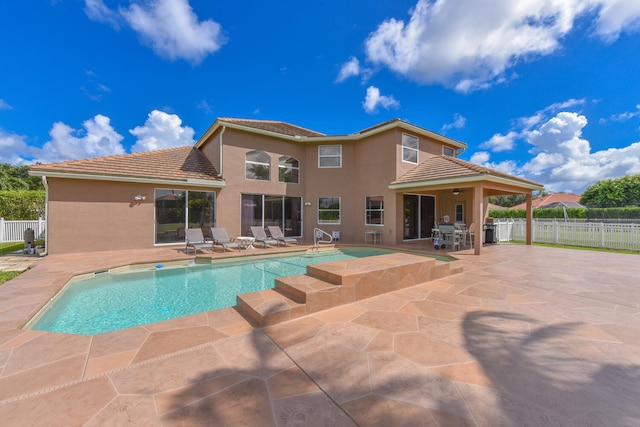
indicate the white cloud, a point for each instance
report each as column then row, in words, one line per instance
column 459, row 121
column 500, row 142
column 170, row 27
column 161, row 130
column 13, row 148
column 617, row 16
column 470, row 44
column 480, row 157
column 97, row 139
column 373, row 99
column 623, row 117
column 564, row 161
column 348, row 69
column 4, row 105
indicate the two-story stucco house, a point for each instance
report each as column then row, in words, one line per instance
column 395, row 178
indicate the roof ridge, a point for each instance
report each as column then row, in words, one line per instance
column 116, row 156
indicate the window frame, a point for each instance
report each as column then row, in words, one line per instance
column 321, row 209
column 329, row 156
column 188, row 206
column 248, row 162
column 283, row 166
column 453, row 152
column 406, row 148
column 368, row 210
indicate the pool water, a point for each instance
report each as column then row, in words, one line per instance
column 113, row 301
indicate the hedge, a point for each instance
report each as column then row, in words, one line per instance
column 539, row 213
column 629, row 212
column 22, row 204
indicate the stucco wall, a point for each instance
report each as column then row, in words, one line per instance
column 89, row 215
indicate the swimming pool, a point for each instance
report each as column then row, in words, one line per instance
column 118, row 300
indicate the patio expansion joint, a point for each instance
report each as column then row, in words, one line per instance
column 293, row 361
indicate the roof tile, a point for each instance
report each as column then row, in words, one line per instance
column 180, row 163
column 274, row 126
column 443, row 167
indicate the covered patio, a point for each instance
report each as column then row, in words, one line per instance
column 460, row 190
column 525, row 335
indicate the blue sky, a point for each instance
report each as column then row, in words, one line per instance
column 548, row 90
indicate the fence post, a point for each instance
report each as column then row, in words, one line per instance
column 555, row 231
column 602, row 234
column 1, row 229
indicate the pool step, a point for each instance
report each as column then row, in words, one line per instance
column 340, row 282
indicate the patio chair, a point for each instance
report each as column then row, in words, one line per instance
column 448, row 236
column 220, row 237
column 260, row 236
column 195, row 239
column 276, row 233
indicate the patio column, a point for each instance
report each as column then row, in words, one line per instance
column 478, row 216
column 529, row 239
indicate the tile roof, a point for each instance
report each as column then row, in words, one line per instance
column 274, row 126
column 179, row 164
column 447, row 167
column 570, row 200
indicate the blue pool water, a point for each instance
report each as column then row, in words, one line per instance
column 113, row 301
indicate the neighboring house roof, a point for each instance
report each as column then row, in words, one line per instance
column 448, row 170
column 492, row 207
column 553, row 200
column 181, row 164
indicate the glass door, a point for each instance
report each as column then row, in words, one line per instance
column 419, row 216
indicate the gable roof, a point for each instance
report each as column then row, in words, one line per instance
column 181, row 164
column 274, row 126
column 450, row 170
column 553, row 200
column 291, row 132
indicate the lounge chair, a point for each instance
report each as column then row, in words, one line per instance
column 195, row 239
column 277, row 234
column 260, row 236
column 220, row 237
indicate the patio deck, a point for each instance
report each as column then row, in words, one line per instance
column 523, row 336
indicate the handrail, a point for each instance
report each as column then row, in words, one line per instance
column 318, row 235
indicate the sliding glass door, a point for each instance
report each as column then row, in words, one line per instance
column 419, row 216
column 264, row 210
column 177, row 209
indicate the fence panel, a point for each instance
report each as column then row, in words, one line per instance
column 13, row 231
column 622, row 235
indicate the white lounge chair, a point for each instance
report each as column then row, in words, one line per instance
column 220, row 237
column 276, row 233
column 260, row 236
column 195, row 239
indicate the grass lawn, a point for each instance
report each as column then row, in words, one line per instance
column 7, row 275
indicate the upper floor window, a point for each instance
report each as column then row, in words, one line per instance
column 257, row 165
column 448, row 151
column 328, row 210
column 330, row 156
column 409, row 148
column 374, row 210
column 288, row 170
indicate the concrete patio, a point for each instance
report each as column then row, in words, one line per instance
column 523, row 336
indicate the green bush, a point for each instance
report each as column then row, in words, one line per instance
column 539, row 213
column 22, row 204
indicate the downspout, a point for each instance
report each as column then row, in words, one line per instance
column 46, row 215
column 221, row 133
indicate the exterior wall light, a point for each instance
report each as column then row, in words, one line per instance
column 307, row 203
column 140, row 197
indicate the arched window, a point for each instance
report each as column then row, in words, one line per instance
column 288, row 170
column 257, row 165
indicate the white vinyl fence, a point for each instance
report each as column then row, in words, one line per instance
column 622, row 236
column 13, row 231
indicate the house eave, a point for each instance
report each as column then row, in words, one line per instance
column 191, row 182
column 456, row 181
